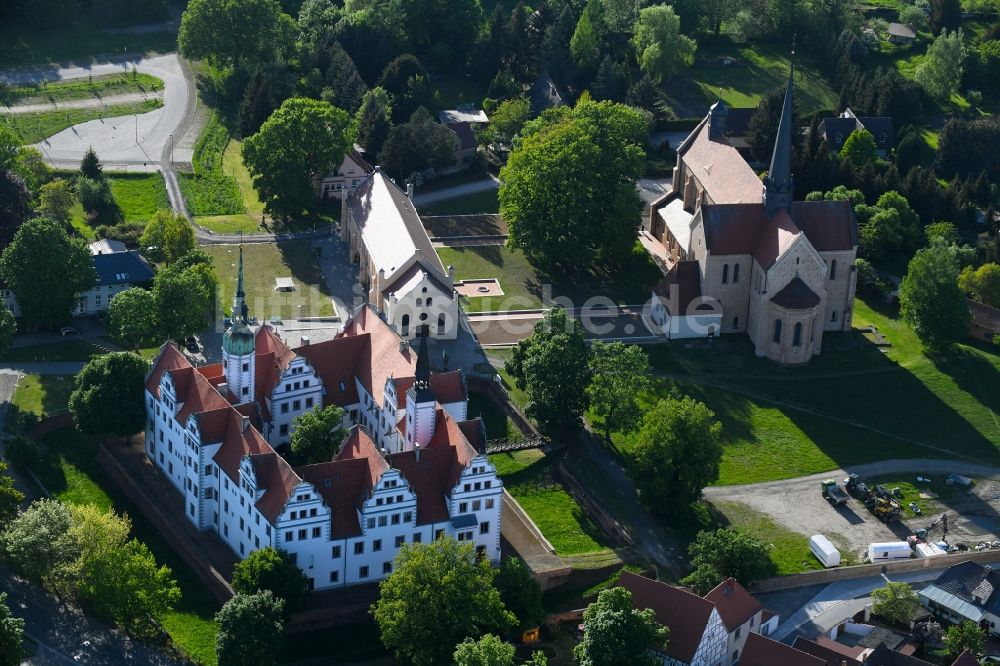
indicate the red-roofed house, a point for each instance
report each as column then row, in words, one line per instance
column 741, row 613
column 407, row 473
column 739, row 240
column 761, row 651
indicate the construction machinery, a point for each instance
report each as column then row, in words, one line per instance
column 833, row 493
column 879, row 500
column 941, row 520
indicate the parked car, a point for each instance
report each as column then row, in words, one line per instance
column 68, row 330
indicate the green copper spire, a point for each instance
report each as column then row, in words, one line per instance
column 239, row 340
column 240, row 310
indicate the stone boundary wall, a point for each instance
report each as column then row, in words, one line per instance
column 167, row 527
column 866, row 570
column 50, row 424
column 493, row 391
column 610, row 526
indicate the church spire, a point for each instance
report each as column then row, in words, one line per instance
column 240, row 311
column 778, row 185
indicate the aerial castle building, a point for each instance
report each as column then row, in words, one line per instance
column 412, row 468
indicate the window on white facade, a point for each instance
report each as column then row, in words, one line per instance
column 489, row 503
column 417, row 538
column 484, row 528
column 334, row 576
column 377, row 545
column 359, row 548
column 400, row 540
column 387, row 567
column 363, row 572
column 335, row 552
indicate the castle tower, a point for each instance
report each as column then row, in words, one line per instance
column 238, row 346
column 778, row 185
column 421, row 411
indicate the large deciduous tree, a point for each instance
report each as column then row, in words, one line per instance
column 272, row 570
column 117, row 575
column 491, row 651
column 929, row 296
column 614, row 632
column 302, row 139
column 132, row 317
column 726, row 553
column 940, row 74
column 551, row 366
column 108, row 398
column 168, row 236
column 15, row 204
column 964, row 636
column 506, row 121
column 182, row 299
column 10, row 497
column 317, row 435
column 568, row 190
column 416, row 145
column 442, row 30
column 982, row 283
column 231, row 32
column 37, row 544
column 11, row 635
column 520, row 592
column 251, row 630
column 55, row 199
column 438, row 594
column 619, row 373
column 660, row 48
column 859, row 148
column 46, row 270
column 8, row 326
column 677, row 452
column 895, row 602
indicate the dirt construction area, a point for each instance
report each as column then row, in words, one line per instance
column 798, row 504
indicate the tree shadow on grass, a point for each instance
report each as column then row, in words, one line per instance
column 973, row 373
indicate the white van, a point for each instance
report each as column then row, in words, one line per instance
column 824, row 551
column 889, row 550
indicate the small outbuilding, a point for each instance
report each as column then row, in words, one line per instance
column 900, row 33
column 284, row 284
column 824, row 550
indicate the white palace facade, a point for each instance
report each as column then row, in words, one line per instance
column 412, row 468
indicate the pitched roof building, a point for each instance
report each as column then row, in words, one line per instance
column 779, row 270
column 761, row 651
column 407, row 472
column 836, row 130
column 966, row 591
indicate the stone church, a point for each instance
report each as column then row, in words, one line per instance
column 742, row 256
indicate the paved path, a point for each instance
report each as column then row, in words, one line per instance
column 489, row 182
column 88, row 103
column 45, row 368
column 115, row 138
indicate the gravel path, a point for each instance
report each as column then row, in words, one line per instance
column 89, row 103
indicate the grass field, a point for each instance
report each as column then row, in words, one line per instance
column 139, row 195
column 761, row 68
column 77, row 42
column 526, row 287
column 249, row 221
column 266, row 261
column 210, row 190
column 789, row 550
column 470, row 204
column 71, row 350
column 72, row 474
column 34, row 127
column 96, row 87
column 846, row 407
column 42, row 394
column 527, row 475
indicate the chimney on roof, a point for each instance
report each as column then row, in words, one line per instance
column 304, row 340
column 246, row 423
column 416, row 451
column 403, row 345
column 377, row 169
column 409, row 190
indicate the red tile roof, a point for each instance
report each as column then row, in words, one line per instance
column 279, row 481
column 170, row 358
column 831, row 655
column 720, row 169
column 686, row 614
column 199, row 395
column 212, row 371
column 735, row 605
column 474, row 432
column 966, row 659
column 686, row 276
column 761, row 651
column 829, row 225
column 733, row 228
column 334, row 362
column 448, row 386
column 402, row 385
column 271, row 358
column 776, row 236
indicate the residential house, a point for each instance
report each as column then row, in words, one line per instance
column 345, row 179
column 836, row 130
column 778, row 270
column 900, row 33
column 398, row 267
column 461, row 122
column 985, row 322
column 761, row 651
column 544, row 94
column 412, row 469
column 116, row 272
column 107, row 246
column 966, row 592
column 741, row 614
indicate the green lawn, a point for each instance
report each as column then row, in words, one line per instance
column 498, row 424
column 525, row 286
column 97, row 87
column 248, row 222
column 210, row 190
column 78, row 220
column 266, row 261
column 42, row 394
column 139, row 195
column 77, row 42
column 470, row 204
column 72, row 474
column 852, row 404
column 71, row 350
column 789, row 550
column 527, row 475
column 761, row 69
column 34, row 127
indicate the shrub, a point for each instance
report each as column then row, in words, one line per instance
column 23, row 452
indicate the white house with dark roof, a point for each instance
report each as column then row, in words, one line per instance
column 411, row 470
column 343, row 180
column 398, row 267
column 779, row 270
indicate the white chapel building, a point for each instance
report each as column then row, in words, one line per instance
column 411, row 470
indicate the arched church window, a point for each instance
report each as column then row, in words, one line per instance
column 441, row 322
column 777, row 330
column 405, row 325
column 797, row 335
